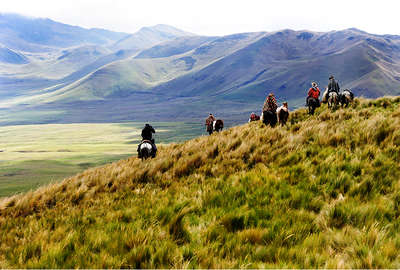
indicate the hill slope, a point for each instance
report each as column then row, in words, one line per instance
column 321, row 192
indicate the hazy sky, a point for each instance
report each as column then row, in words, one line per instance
column 217, row 17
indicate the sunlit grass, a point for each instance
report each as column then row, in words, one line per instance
column 33, row 155
column 321, row 192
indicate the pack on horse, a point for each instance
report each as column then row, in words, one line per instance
column 346, row 98
column 283, row 114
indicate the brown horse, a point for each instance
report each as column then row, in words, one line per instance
column 269, row 118
column 283, row 115
column 217, row 126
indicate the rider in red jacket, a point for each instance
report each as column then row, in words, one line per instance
column 314, row 92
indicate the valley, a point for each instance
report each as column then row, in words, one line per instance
column 35, row 155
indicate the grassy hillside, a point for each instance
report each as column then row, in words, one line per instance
column 320, row 192
column 34, row 155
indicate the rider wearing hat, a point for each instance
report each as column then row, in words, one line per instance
column 270, row 104
column 333, row 85
column 314, row 92
column 147, row 135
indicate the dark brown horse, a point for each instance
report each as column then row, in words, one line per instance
column 283, row 115
column 217, row 126
column 312, row 104
column 269, row 118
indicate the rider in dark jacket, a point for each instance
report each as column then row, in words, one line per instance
column 333, row 85
column 147, row 134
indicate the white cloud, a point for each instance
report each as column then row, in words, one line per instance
column 216, row 17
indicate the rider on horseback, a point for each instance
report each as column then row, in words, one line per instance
column 147, row 135
column 314, row 92
column 270, row 104
column 269, row 108
column 209, row 122
column 333, row 86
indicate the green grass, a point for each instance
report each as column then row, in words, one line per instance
column 34, row 155
column 322, row 192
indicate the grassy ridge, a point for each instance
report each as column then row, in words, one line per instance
column 321, row 192
column 34, row 155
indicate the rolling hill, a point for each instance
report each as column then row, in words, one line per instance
column 40, row 54
column 322, row 192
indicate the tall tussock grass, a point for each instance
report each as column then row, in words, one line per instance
column 321, row 192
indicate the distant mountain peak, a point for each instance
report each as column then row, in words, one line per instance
column 164, row 28
column 356, row 30
column 149, row 36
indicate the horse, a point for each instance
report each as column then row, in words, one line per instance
column 254, row 117
column 312, row 104
column 283, row 115
column 216, row 125
column 269, row 118
column 146, row 150
column 346, row 98
column 333, row 100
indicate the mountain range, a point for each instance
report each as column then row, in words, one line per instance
column 53, row 72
